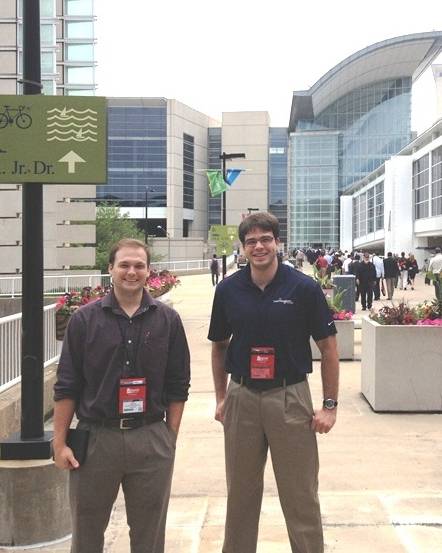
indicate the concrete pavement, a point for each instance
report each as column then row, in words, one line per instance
column 380, row 477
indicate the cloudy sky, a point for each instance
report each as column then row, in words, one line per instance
column 235, row 55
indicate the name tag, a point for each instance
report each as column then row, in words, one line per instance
column 262, row 362
column 132, row 396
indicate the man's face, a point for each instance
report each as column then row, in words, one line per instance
column 130, row 270
column 260, row 248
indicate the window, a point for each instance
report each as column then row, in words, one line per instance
column 80, row 75
column 80, row 52
column 78, row 7
column 80, row 29
column 421, row 187
column 188, row 170
column 436, row 182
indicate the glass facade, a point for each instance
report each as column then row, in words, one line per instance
column 137, row 160
column 368, row 211
column 313, row 198
column 214, row 147
column 427, row 185
column 278, row 167
column 188, row 171
column 373, row 123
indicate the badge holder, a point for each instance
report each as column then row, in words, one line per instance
column 262, row 362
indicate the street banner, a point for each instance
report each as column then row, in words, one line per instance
column 232, row 175
column 217, row 184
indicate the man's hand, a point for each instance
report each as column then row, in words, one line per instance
column 219, row 412
column 323, row 420
column 64, row 458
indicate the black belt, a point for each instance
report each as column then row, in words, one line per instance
column 124, row 423
column 264, row 384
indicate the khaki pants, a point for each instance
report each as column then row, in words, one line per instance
column 141, row 460
column 280, row 419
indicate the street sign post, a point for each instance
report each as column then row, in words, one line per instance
column 53, row 139
column 224, row 237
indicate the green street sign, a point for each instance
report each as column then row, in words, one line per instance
column 53, row 139
column 224, row 237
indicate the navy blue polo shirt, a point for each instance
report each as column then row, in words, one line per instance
column 284, row 315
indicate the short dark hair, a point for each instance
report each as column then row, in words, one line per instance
column 389, row 254
column 128, row 243
column 437, row 249
column 262, row 220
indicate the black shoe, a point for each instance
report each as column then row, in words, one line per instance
column 364, row 309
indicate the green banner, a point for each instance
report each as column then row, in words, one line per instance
column 53, row 139
column 217, row 184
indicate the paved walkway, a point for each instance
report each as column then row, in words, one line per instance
column 380, row 478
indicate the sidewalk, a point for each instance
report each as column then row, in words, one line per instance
column 380, row 477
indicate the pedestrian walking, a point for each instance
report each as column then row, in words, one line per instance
column 262, row 320
column 366, row 279
column 403, row 271
column 435, row 267
column 378, row 285
column 214, row 270
column 124, row 371
column 391, row 272
column 413, row 269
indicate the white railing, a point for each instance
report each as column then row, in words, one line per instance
column 53, row 284
column 59, row 284
column 10, row 346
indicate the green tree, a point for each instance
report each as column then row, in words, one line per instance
column 111, row 226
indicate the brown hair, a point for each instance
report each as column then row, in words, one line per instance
column 128, row 243
column 262, row 220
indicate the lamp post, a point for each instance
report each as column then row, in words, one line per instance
column 146, row 198
column 224, row 157
column 159, row 227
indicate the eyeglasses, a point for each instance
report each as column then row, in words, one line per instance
column 264, row 240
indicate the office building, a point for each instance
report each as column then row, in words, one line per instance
column 67, row 68
column 346, row 125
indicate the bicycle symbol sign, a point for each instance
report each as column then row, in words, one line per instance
column 17, row 116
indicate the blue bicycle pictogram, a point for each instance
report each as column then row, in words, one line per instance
column 17, row 115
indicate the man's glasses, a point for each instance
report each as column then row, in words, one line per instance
column 264, row 240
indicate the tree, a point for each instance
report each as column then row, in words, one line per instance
column 112, row 226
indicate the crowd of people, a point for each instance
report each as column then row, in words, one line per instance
column 375, row 275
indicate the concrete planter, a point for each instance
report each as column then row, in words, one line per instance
column 345, row 338
column 401, row 367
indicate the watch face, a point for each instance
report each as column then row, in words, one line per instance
column 330, row 403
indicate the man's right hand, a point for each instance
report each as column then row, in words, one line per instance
column 64, row 458
column 219, row 412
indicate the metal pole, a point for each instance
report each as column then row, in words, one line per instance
column 224, row 258
column 32, row 250
column 145, row 216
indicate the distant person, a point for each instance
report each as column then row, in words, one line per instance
column 124, row 371
column 299, row 259
column 354, row 268
column 346, row 264
column 435, row 266
column 366, row 279
column 391, row 272
column 413, row 269
column 214, row 270
column 403, row 271
column 379, row 266
column 321, row 264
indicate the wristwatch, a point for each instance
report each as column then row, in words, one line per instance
column 329, row 404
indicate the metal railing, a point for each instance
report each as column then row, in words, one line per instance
column 10, row 346
column 59, row 284
column 53, row 284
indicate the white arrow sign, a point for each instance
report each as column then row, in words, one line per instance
column 71, row 158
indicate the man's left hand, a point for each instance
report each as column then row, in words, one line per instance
column 323, row 420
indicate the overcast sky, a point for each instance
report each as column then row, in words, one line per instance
column 234, row 55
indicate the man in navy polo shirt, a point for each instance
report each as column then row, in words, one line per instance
column 262, row 320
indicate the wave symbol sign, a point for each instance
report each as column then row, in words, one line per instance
column 65, row 125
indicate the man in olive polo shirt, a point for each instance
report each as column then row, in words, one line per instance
column 124, row 367
column 262, row 320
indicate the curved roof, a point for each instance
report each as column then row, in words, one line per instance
column 403, row 56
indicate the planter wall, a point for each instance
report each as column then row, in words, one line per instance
column 345, row 338
column 401, row 367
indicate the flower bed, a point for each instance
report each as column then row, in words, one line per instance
column 160, row 283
